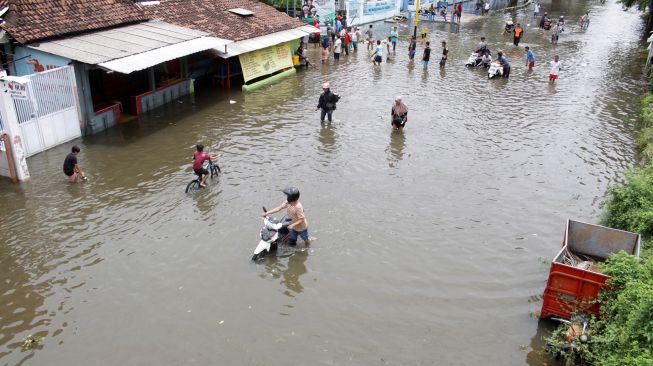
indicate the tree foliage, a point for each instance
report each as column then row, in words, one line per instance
column 630, row 206
column 624, row 334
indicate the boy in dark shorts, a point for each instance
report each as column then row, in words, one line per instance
column 298, row 223
column 199, row 157
column 70, row 166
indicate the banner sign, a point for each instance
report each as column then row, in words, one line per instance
column 378, row 6
column 17, row 90
column 265, row 61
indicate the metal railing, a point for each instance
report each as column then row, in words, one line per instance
column 48, row 92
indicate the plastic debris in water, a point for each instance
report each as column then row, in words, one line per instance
column 232, row 102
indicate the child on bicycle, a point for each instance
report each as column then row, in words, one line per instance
column 199, row 157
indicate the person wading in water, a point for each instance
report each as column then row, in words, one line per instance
column 399, row 114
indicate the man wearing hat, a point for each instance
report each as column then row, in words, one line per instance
column 327, row 102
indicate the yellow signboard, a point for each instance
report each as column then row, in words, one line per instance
column 265, row 61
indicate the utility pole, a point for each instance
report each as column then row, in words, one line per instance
column 416, row 20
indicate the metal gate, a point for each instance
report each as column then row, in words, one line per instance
column 49, row 115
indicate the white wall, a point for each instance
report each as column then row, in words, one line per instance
column 360, row 12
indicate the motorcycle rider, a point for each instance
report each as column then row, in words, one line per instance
column 482, row 46
column 544, row 20
column 298, row 224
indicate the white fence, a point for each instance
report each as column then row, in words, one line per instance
column 49, row 115
column 2, row 125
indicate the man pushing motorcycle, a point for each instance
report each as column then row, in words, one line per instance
column 298, row 224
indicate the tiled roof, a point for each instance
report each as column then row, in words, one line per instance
column 32, row 20
column 213, row 16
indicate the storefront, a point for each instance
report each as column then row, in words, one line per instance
column 126, row 71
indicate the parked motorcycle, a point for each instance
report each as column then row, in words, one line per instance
column 274, row 232
column 576, row 335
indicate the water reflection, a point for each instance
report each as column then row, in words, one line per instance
column 395, row 149
column 536, row 356
column 288, row 271
column 327, row 138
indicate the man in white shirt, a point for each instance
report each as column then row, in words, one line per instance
column 555, row 69
column 337, row 48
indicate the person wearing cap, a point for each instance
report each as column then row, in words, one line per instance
column 298, row 224
column 327, row 102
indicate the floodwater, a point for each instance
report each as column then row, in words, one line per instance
column 430, row 244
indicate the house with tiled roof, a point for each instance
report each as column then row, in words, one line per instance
column 264, row 38
column 124, row 62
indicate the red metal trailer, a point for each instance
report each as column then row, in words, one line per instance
column 574, row 286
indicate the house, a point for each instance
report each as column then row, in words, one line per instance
column 124, row 63
column 264, row 38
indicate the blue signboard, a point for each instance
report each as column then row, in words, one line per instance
column 31, row 61
column 378, row 6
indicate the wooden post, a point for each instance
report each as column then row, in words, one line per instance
column 150, row 78
column 10, row 157
column 228, row 74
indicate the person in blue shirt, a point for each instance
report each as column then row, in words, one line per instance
column 530, row 58
column 501, row 58
column 393, row 38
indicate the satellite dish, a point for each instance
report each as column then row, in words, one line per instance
column 3, row 11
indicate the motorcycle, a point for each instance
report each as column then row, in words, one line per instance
column 477, row 59
column 273, row 233
column 576, row 334
column 495, row 70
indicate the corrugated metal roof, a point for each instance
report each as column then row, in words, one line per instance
column 129, row 64
column 146, row 43
column 253, row 44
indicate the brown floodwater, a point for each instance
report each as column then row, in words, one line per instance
column 430, row 244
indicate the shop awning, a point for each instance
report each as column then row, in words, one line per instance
column 132, row 48
column 253, row 44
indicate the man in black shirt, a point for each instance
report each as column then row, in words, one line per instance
column 445, row 52
column 427, row 55
column 327, row 102
column 70, row 167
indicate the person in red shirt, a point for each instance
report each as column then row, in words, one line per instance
column 347, row 41
column 199, row 157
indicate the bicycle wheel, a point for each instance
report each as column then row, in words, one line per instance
column 193, row 186
column 214, row 170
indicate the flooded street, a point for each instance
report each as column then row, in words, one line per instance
column 431, row 244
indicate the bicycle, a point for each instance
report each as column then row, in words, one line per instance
column 194, row 185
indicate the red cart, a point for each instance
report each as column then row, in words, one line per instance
column 574, row 280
